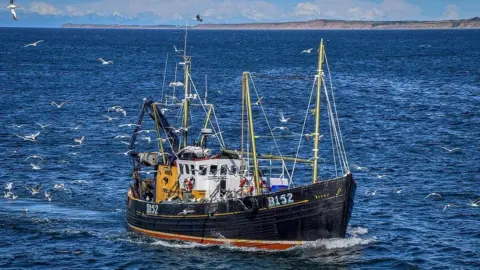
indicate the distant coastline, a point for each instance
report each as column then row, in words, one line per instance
column 473, row 23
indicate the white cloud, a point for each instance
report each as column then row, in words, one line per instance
column 452, row 12
column 357, row 10
column 43, row 8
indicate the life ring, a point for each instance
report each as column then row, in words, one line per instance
column 252, row 206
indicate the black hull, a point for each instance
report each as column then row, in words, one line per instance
column 315, row 211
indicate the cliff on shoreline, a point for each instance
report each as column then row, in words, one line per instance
column 473, row 23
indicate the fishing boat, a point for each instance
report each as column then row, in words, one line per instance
column 185, row 190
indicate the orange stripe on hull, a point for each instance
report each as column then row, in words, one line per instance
column 270, row 245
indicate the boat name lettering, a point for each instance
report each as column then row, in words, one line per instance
column 280, row 200
column 321, row 196
column 152, row 209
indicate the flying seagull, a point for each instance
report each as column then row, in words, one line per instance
column 259, row 101
column 12, row 8
column 34, row 156
column 176, row 50
column 451, row 150
column 32, row 137
column 434, row 194
column 283, row 119
column 42, row 126
column 34, row 190
column 307, row 50
column 104, row 62
column 58, row 105
column 34, row 43
column 198, row 18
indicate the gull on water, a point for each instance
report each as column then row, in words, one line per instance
column 59, row 106
column 80, row 140
column 33, row 43
column 32, row 137
column 109, row 118
column 380, row 176
column 12, row 8
column 307, row 50
column 104, row 62
column 434, row 194
column 451, row 150
column 281, row 128
column 176, row 50
column 34, row 156
column 359, row 168
column 118, row 109
column 176, row 84
column 42, row 126
column 48, row 196
column 34, row 190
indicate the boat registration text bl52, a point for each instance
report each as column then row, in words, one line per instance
column 280, row 200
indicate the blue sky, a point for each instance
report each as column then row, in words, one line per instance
column 53, row 13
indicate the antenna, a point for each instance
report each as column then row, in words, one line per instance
column 185, row 42
column 206, row 89
column 175, row 84
column 164, row 76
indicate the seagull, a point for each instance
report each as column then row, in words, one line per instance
column 398, row 191
column 216, row 134
column 80, row 140
column 105, row 62
column 34, row 43
column 7, row 194
column 176, row 84
column 42, row 126
column 75, row 128
column 17, row 126
column 110, row 118
column 129, row 125
column 14, row 197
column 34, row 190
column 126, row 153
column 48, row 196
column 147, row 138
column 196, row 17
column 259, row 101
column 80, row 182
column 34, row 156
column 12, row 8
column 32, row 137
column 307, row 50
column 359, row 168
column 434, row 194
column 451, row 150
column 164, row 110
column 177, row 51
column 58, row 105
column 371, row 192
column 60, row 186
column 9, row 186
column 283, row 119
column 146, row 130
column 36, row 166
column 381, row 176
column 122, row 111
column 447, row 206
column 121, row 136
column 114, row 108
column 64, row 161
column 281, row 128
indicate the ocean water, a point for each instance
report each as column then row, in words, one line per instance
column 402, row 98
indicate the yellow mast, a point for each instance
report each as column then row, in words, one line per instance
column 317, row 112
column 246, row 90
column 186, row 101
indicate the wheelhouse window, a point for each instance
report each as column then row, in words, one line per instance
column 193, row 169
column 223, row 169
column 181, row 168
column 202, row 170
column 233, row 169
column 213, row 169
column 187, row 168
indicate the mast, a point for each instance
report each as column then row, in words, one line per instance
column 246, row 90
column 317, row 112
column 205, row 125
column 186, row 101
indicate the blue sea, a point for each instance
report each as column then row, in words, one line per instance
column 408, row 103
